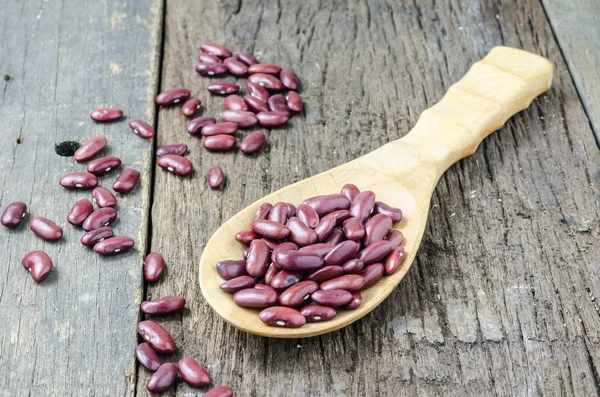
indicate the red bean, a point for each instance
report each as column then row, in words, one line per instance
column 219, row 391
column 45, row 229
column 246, row 236
column 287, row 246
column 372, row 274
column 394, row 260
column 106, row 114
column 241, row 118
column 79, row 180
column 335, row 237
column 326, row 273
column 271, row 83
column 195, row 125
column 334, row 297
column 215, row 49
column 114, row 245
column 92, row 237
column 362, row 205
column 320, row 249
column 209, row 58
column 13, row 214
column 215, row 177
column 235, row 67
column 298, row 261
column 100, row 217
column 172, row 96
column 211, row 69
column 300, row 233
column 253, row 142
column 284, row 279
column 282, row 317
column 258, row 91
column 325, row 227
column 190, row 107
column 279, row 213
column 271, row 119
column 222, row 88
column 265, row 287
column 219, row 128
column 102, row 165
column 165, row 305
column 353, row 229
column 79, row 212
column 147, row 356
column 255, row 298
column 351, row 191
column 258, row 260
column 193, row 373
column 315, row 314
column 158, row 337
column 141, row 128
column 294, row 101
column 256, row 104
column 178, row 165
column 341, row 253
column 348, row 282
column 355, row 302
column 104, row 198
column 229, row 269
column 340, row 215
column 90, row 149
column 326, row 204
column 383, row 208
column 39, row 265
column 289, row 79
column 219, row 142
column 375, row 252
column 237, row 283
column 126, row 181
column 267, row 68
column 163, row 378
column 353, row 266
column 376, row 228
column 263, row 211
column 308, row 215
column 234, row 102
column 179, row 149
column 277, row 103
column 154, row 267
column 247, row 58
column 291, row 209
column 270, row 229
column 298, row 293
column 269, row 274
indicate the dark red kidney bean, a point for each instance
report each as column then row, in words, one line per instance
column 147, row 356
column 190, row 107
column 335, row 237
column 165, row 305
column 219, row 391
column 163, row 378
column 328, row 203
column 372, row 274
column 271, row 83
column 222, row 88
column 158, row 337
column 93, row 237
column 291, row 210
column 258, row 91
column 269, row 274
column 215, row 177
column 253, row 142
column 141, row 128
column 298, row 293
column 353, row 266
column 270, row 229
column 325, row 227
column 376, row 228
column 246, row 236
column 215, row 49
column 394, row 260
column 209, row 58
column 294, row 101
column 362, row 205
column 267, row 68
column 298, row 261
column 100, row 217
column 39, row 265
column 211, row 69
column 340, row 215
column 341, row 253
column 320, row 249
column 80, row 211
column 90, row 149
column 300, row 233
column 102, row 165
column 247, row 58
column 234, row 102
column 219, row 142
column 334, row 297
column 287, row 246
column 395, row 237
column 219, row 128
column 240, row 117
column 375, row 252
column 265, row 287
column 279, row 213
column 237, row 283
column 282, row 316
column 235, row 67
column 126, row 181
column 258, row 260
column 347, row 282
column 178, row 165
column 246, row 252
column 79, row 180
column 383, row 208
column 263, row 211
column 353, row 229
column 179, row 149
column 172, row 96
column 154, row 267
column 315, row 314
column 195, row 125
column 355, row 302
column 271, row 119
column 13, row 214
column 114, row 245
column 351, row 191
column 229, row 269
column 326, row 273
column 277, row 103
column 255, row 298
column 284, row 279
column 193, row 373
column 308, row 215
column 289, row 79
column 45, row 229
column 106, row 114
column 104, row 198
column 255, row 104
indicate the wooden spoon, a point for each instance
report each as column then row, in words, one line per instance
column 402, row 173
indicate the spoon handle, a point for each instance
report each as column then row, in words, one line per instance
column 503, row 83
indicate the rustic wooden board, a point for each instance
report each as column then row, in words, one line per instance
column 73, row 334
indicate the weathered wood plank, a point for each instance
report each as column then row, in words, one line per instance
column 73, row 334
column 498, row 302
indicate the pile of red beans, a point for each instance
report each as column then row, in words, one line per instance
column 304, row 263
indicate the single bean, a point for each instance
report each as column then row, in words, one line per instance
column 219, row 142
column 353, row 229
column 270, row 229
column 241, row 118
column 279, row 213
column 246, row 236
column 335, row 237
column 287, row 246
column 267, row 68
column 326, row 273
column 114, row 245
column 300, row 233
column 229, row 269
column 375, row 252
column 263, row 211
column 348, row 282
column 154, row 267
column 191, row 106
column 353, row 266
column 291, row 209
column 141, row 128
column 45, row 229
column 178, row 165
column 341, row 253
column 271, row 83
column 372, row 274
column 258, row 260
column 126, row 181
column 340, row 215
column 215, row 49
column 222, row 88
column 219, row 391
column 209, row 58
column 195, row 125
column 355, row 302
column 235, row 67
column 179, row 149
column 320, row 249
column 247, row 58
column 308, row 215
column 92, row 237
column 277, row 103
column 325, row 227
column 100, row 217
column 165, row 305
column 13, row 214
column 282, row 316
column 351, row 191
column 106, row 114
column 394, row 260
column 298, row 261
column 79, row 212
column 284, row 279
column 104, row 198
column 362, row 205
column 316, row 313
column 255, row 298
column 193, row 373
column 158, row 337
column 211, row 68
column 383, row 208
column 269, row 274
column 215, row 177
column 90, row 149
column 147, row 356
column 289, row 79
column 163, row 378
column 79, row 180
column 234, row 102
column 253, row 142
column 258, row 91
column 39, row 265
column 271, row 119
column 102, row 165
column 172, row 96
column 326, row 204
column 219, row 128
column 298, row 293
column 237, row 283
column 334, row 297
column 294, row 101
column 255, row 104
column 376, row 228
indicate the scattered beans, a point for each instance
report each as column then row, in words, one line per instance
column 80, row 211
column 13, row 214
column 45, row 229
column 271, row 83
column 147, row 356
column 154, row 267
column 222, row 88
column 195, row 125
column 235, row 67
column 255, row 104
column 294, row 101
column 79, row 180
column 278, row 104
column 193, row 373
column 219, row 142
column 126, row 181
column 179, row 149
column 234, row 102
column 90, row 149
column 176, row 164
column 289, row 79
column 172, row 96
column 93, row 237
column 106, row 114
column 114, row 245
column 219, row 391
column 253, row 142
column 258, row 91
column 141, row 128
column 315, row 314
column 102, row 165
column 100, row 217
column 165, row 305
column 209, row 58
column 267, row 68
column 241, row 118
column 282, row 317
column 190, row 107
column 215, row 177
column 39, row 265
column 158, row 337
column 227, row 128
column 211, row 69
column 229, row 269
column 104, row 198
column 247, row 58
column 215, row 49
column 163, row 378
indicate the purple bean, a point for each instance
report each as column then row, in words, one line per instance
column 320, row 249
column 222, row 88
column 333, row 298
column 237, row 283
column 271, row 83
column 351, row 191
column 235, row 67
column 383, row 208
column 215, row 49
column 353, row 266
column 246, row 236
column 147, row 356
column 219, row 142
column 165, row 305
column 241, row 118
column 269, row 274
column 271, row 243
column 215, row 177
column 335, row 237
column 211, row 69
column 79, row 212
column 326, row 204
column 394, row 260
column 255, row 298
column 179, row 149
column 209, row 58
column 253, row 142
column 326, row 273
column 247, row 58
column 104, row 198
column 282, row 316
column 227, row 128
column 375, row 252
column 298, row 293
column 219, row 391
column 258, row 91
column 234, row 102
column 106, row 114
column 90, row 149
column 13, row 214
column 154, row 267
column 279, row 213
column 114, row 245
column 355, row 302
column 271, row 119
column 291, row 209
column 289, row 79
column 178, row 165
column 195, row 125
column 372, row 274
column 141, row 128
column 92, row 237
column 229, row 269
column 300, row 233
column 255, row 104
column 190, row 107
column 258, row 260
column 325, row 227
column 163, row 378
column 362, row 205
column 340, row 215
column 294, row 101
column 353, row 229
column 270, row 229
column 79, row 180
column 45, row 229
column 298, row 261
column 376, row 228
column 39, row 265
column 308, row 215
column 287, row 246
column 172, row 96
column 158, row 337
column 263, row 211
column 193, row 373
column 100, row 217
column 102, row 165
column 284, row 279
column 341, row 253
column 278, row 104
column 267, row 68
column 315, row 314
column 347, row 282
column 126, row 181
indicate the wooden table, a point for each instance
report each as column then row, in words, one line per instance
column 501, row 298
